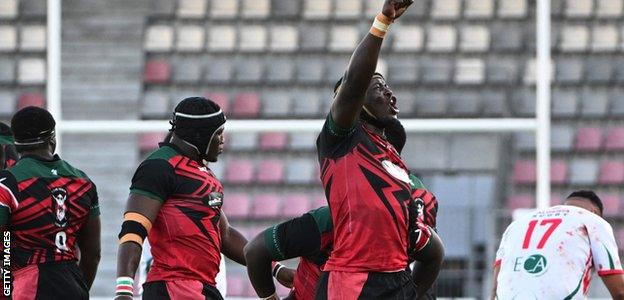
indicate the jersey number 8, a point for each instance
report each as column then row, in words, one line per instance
column 61, row 241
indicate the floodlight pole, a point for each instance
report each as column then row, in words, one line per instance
column 543, row 80
column 53, row 82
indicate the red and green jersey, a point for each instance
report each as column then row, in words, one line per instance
column 10, row 155
column 185, row 238
column 44, row 204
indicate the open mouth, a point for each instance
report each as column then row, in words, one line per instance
column 394, row 110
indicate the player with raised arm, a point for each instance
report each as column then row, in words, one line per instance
column 366, row 183
column 51, row 210
column 8, row 154
column 176, row 200
column 551, row 254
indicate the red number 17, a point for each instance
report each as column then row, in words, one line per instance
column 527, row 237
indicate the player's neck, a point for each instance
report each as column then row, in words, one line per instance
column 376, row 130
column 44, row 154
column 187, row 149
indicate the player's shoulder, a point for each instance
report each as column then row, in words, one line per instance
column 165, row 152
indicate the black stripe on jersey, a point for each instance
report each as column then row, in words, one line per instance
column 378, row 184
column 196, row 217
column 376, row 164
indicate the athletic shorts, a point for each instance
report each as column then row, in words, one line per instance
column 336, row 285
column 180, row 290
column 57, row 280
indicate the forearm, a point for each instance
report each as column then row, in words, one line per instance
column 233, row 245
column 88, row 265
column 361, row 68
column 128, row 258
column 425, row 275
column 259, row 270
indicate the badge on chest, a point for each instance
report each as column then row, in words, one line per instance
column 396, row 171
column 214, row 200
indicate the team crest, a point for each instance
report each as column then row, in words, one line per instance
column 59, row 197
column 396, row 171
column 215, row 200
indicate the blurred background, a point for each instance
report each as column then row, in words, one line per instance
column 278, row 59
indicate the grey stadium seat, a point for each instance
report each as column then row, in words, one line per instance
column 616, row 99
column 523, row 102
column 594, row 103
column 218, row 71
column 7, row 70
column 310, row 70
column 249, row 70
column 285, row 8
column 431, row 103
column 502, row 70
column 300, row 170
column 307, row 104
column 7, row 103
column 464, row 103
column 280, row 70
column 569, row 70
column 276, row 104
column 313, row 38
column 474, row 152
column 562, row 138
column 564, row 103
column 506, row 38
column 423, row 159
column 494, row 103
column 186, row 70
column 155, row 103
column 599, row 70
column 436, row 70
column 402, row 71
column 583, row 171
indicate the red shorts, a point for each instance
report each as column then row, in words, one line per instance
column 181, row 289
column 336, row 285
column 59, row 280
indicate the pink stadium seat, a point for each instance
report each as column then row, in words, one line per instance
column 296, row 205
column 520, row 201
column 237, row 206
column 558, row 172
column 246, row 105
column 270, row 171
column 157, row 71
column 524, row 172
column 615, row 139
column 556, row 199
column 236, row 285
column 273, row 141
column 266, row 206
column 223, row 99
column 149, row 141
column 611, row 204
column 619, row 236
column 318, row 201
column 239, row 171
column 611, row 172
column 588, row 139
column 30, row 99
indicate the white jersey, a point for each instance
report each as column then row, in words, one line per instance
column 551, row 254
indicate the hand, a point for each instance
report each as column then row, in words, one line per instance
column 393, row 9
column 285, row 277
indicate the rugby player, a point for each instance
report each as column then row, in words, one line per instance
column 8, row 154
column 552, row 253
column 366, row 183
column 176, row 200
column 51, row 210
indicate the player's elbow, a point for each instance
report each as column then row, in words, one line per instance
column 254, row 252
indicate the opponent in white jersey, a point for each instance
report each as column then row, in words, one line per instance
column 551, row 254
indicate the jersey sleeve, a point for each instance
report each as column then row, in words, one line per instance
column 155, row 179
column 8, row 198
column 294, row 238
column 603, row 247
column 94, row 209
column 334, row 141
column 430, row 202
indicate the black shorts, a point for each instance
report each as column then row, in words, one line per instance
column 58, row 280
column 347, row 286
column 184, row 289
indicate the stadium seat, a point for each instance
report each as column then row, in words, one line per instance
column 569, row 70
column 303, row 141
column 307, row 104
column 406, row 102
column 594, row 103
column 583, row 171
column 441, row 38
column 31, row 71
column 30, row 99
column 32, row 8
column 33, row 38
column 313, row 38
column 588, row 139
column 436, row 70
column 272, row 141
column 579, row 8
column 512, row 8
column 562, row 138
column 523, row 102
column 474, row 152
column 611, row 204
column 520, row 201
column 253, row 38
column 190, row 38
column 284, row 39
column 270, row 171
column 237, row 206
column 402, row 70
column 347, row 9
column 615, row 139
column 524, row 172
column 242, row 141
column 494, row 103
column 604, row 38
column 249, row 70
column 408, row 38
column 316, row 9
column 285, row 9
column 255, row 9
column 574, row 38
column 445, row 9
column 609, row 8
column 221, row 38
column 565, row 103
column 507, row 38
column 8, row 9
column 343, row 38
column 186, row 70
column 276, row 104
column 191, row 9
column 159, row 38
column 161, row 7
column 525, row 141
column 8, row 38
column 502, row 71
column 611, row 172
column 300, row 171
column 149, row 141
column 431, row 103
column 558, row 171
column 219, row 71
column 427, row 160
column 461, row 103
column 157, row 72
column 335, row 69
column 310, row 70
column 221, row 98
column 474, row 39
column 7, row 70
column 469, row 71
column 7, row 103
column 224, row 9
column 280, row 70
column 239, row 171
column 246, row 105
column 266, row 206
column 598, row 70
column 155, row 104
column 478, row 9
column 295, row 205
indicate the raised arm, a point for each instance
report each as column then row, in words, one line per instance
column 232, row 241
column 350, row 96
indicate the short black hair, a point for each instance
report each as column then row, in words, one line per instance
column 589, row 195
column 32, row 127
column 5, row 130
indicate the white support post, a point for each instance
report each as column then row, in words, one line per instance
column 543, row 104
column 53, row 82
